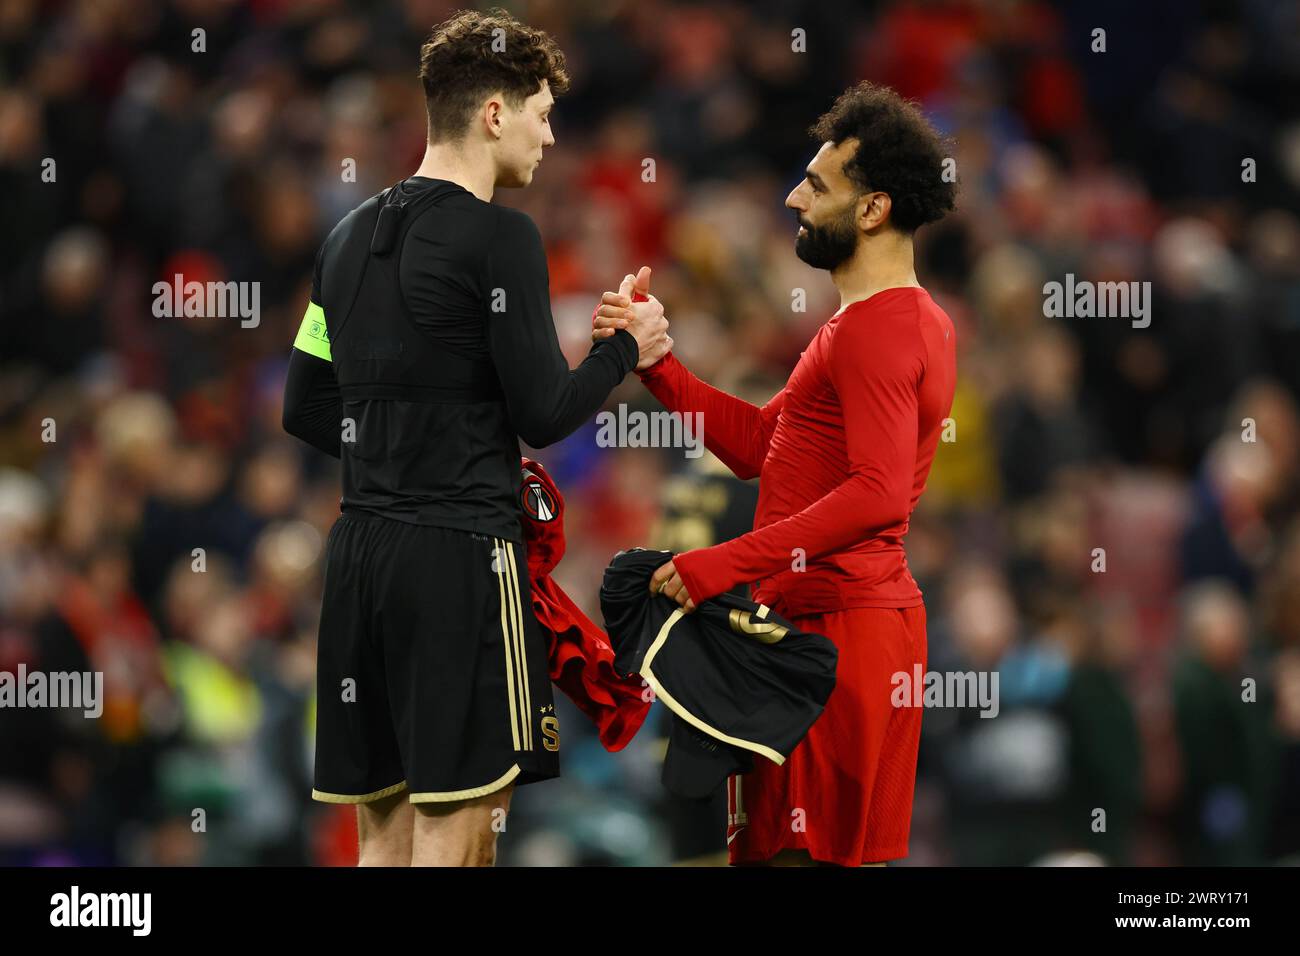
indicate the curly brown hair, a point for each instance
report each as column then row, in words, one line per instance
column 898, row 153
column 471, row 55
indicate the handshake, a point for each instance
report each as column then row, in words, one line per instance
column 633, row 308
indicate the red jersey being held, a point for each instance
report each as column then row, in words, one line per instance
column 842, row 454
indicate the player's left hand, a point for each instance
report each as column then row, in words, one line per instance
column 669, row 583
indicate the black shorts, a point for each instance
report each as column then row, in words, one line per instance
column 431, row 669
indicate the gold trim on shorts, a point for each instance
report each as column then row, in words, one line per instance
column 357, row 797
column 512, row 637
column 445, row 796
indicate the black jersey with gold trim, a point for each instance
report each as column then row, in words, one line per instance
column 740, row 680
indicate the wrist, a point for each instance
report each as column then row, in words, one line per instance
column 657, row 367
column 625, row 345
column 706, row 572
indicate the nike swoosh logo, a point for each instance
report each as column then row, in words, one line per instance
column 732, row 836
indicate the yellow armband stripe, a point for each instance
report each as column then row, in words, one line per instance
column 312, row 336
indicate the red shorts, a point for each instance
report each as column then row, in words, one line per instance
column 845, row 792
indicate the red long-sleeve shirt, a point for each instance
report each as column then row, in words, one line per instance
column 842, row 454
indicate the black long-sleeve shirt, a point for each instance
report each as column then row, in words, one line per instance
column 474, row 278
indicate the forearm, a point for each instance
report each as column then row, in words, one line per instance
column 852, row 512
column 734, row 430
column 576, row 396
column 548, row 401
column 313, row 408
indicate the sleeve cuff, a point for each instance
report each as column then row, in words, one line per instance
column 706, row 572
column 624, row 347
column 657, row 371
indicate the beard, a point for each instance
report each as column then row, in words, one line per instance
column 829, row 245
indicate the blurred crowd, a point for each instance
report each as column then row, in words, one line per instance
column 1115, row 528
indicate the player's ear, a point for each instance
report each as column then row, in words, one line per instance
column 493, row 118
column 873, row 210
